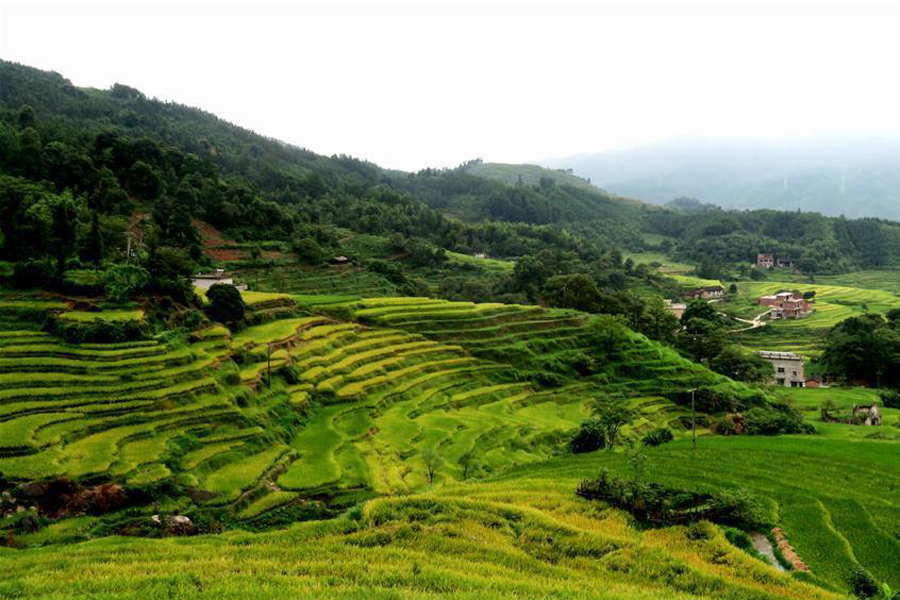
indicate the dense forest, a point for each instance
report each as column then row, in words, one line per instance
column 86, row 174
column 816, row 244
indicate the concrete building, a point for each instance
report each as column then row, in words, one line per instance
column 787, row 305
column 765, row 261
column 788, row 368
column 204, row 281
column 707, row 292
column 676, row 308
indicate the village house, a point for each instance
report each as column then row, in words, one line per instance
column 787, row 305
column 788, row 368
column 707, row 292
column 765, row 261
column 815, row 381
column 861, row 414
column 676, row 308
column 770, row 261
column 204, row 281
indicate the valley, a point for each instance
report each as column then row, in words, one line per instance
column 234, row 368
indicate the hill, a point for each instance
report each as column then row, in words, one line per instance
column 521, row 535
column 527, row 174
column 838, row 175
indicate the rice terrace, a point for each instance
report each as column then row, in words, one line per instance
column 235, row 368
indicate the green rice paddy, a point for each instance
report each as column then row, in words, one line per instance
column 428, row 406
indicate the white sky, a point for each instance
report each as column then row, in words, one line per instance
column 415, row 84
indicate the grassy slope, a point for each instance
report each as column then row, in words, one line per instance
column 523, row 535
column 834, row 303
column 420, row 379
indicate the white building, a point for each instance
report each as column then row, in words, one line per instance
column 204, row 281
column 788, row 368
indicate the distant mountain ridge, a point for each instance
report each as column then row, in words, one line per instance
column 855, row 176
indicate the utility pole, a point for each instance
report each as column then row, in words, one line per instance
column 269, row 366
column 693, row 422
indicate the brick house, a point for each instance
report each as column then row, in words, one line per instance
column 788, row 368
column 765, row 261
column 770, row 261
column 787, row 305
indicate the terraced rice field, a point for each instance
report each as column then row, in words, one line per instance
column 838, row 501
column 521, row 535
column 437, row 386
column 423, row 403
column 805, row 336
column 296, row 280
column 100, row 409
column 488, row 330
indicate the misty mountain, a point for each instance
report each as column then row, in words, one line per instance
column 851, row 175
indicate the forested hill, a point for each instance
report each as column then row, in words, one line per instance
column 79, row 166
column 252, row 186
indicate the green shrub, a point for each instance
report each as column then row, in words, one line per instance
column 658, row 436
column 862, row 584
column 776, row 420
column 97, row 332
column 890, row 398
column 34, row 274
column 588, row 438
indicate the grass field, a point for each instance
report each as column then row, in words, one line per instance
column 667, row 265
column 805, row 336
column 521, row 535
column 435, row 408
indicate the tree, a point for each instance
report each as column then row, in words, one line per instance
column 611, row 414
column 865, row 348
column 701, row 339
column 734, row 362
column 123, row 281
column 431, row 459
column 62, row 233
column 700, row 309
column 308, row 250
column 225, row 304
column 576, row 291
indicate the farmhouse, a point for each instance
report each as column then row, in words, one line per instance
column 815, row 381
column 765, row 261
column 707, row 292
column 860, row 414
column 788, row 368
column 676, row 308
column 787, row 305
column 204, row 281
column 770, row 261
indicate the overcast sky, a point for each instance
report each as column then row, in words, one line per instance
column 416, row 84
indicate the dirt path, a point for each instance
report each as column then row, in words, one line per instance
column 756, row 323
column 764, row 547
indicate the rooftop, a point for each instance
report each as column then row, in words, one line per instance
column 779, row 355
